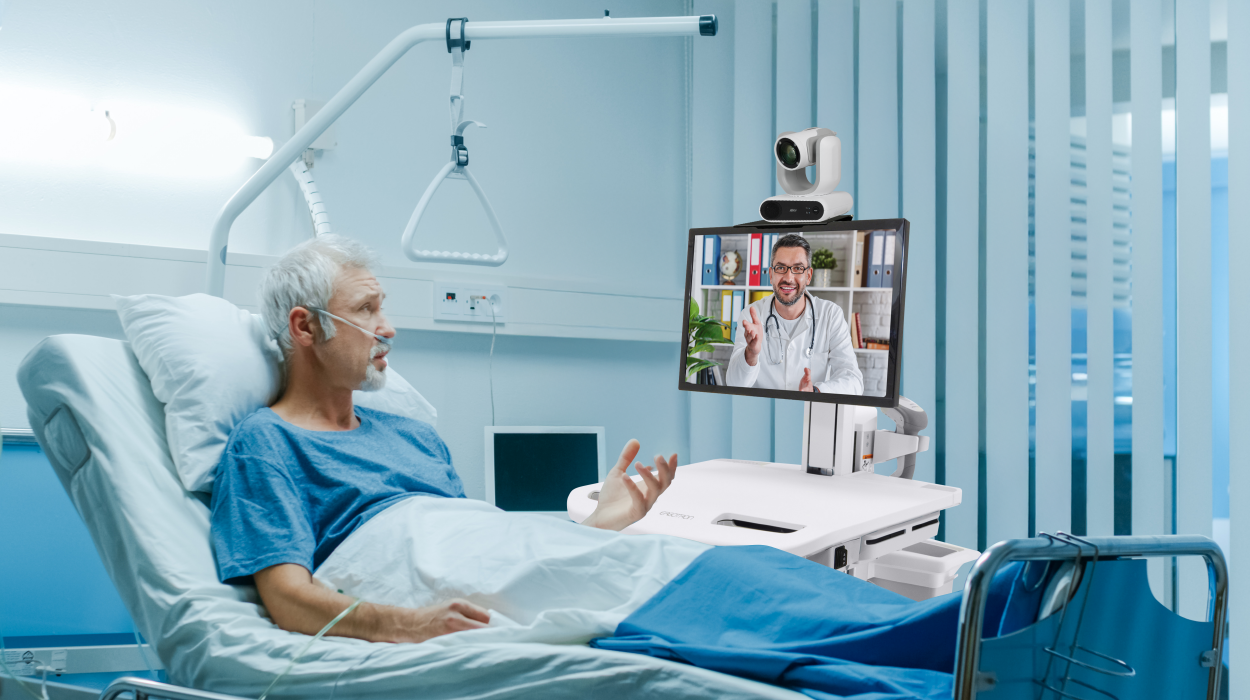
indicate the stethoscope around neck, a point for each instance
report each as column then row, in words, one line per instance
column 776, row 355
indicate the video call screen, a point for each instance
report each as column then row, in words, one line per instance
column 796, row 314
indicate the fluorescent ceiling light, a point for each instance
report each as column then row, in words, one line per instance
column 48, row 128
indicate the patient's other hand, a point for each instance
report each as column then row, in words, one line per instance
column 297, row 603
column 621, row 501
column 432, row 621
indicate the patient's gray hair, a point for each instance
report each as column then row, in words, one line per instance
column 305, row 277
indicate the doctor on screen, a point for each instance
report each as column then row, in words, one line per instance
column 792, row 340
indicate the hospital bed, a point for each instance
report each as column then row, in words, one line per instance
column 93, row 412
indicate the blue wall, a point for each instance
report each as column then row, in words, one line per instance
column 52, row 582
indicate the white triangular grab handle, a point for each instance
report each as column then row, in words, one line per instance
column 447, row 256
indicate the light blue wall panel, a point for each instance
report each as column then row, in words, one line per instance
column 1147, row 156
column 1193, row 290
column 52, row 581
column 920, row 208
column 711, row 427
column 1006, row 270
column 963, row 148
column 835, row 81
column 1100, row 415
column 712, row 125
column 752, row 429
column 754, row 171
column 1239, row 337
column 794, row 65
column 878, row 184
column 1052, row 238
column 788, row 431
column 754, row 180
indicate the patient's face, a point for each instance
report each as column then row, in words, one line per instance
column 355, row 359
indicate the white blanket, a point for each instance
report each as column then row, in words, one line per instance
column 544, row 579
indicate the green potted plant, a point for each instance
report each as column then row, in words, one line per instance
column 705, row 332
column 823, row 265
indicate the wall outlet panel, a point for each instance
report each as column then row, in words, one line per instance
column 463, row 302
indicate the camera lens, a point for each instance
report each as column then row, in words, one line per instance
column 787, row 153
column 770, row 210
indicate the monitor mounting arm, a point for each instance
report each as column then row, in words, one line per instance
column 841, row 439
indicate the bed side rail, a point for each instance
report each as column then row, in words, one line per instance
column 1047, row 548
column 142, row 689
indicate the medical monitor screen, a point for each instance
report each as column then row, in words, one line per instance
column 806, row 312
column 536, row 471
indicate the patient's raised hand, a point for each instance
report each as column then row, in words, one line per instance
column 622, row 502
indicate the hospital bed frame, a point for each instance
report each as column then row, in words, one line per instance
column 970, row 681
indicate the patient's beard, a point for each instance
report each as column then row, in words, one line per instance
column 375, row 379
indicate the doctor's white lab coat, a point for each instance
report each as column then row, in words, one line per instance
column 833, row 365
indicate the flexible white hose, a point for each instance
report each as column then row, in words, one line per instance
column 316, row 207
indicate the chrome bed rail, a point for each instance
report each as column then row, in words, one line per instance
column 968, row 678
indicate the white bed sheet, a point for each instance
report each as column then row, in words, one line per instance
column 547, row 580
column 92, row 409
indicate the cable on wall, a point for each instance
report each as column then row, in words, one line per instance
column 316, row 206
column 491, row 361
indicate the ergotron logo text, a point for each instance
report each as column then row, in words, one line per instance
column 676, row 515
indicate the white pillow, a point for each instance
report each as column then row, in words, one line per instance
column 212, row 364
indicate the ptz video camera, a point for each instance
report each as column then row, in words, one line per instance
column 804, row 200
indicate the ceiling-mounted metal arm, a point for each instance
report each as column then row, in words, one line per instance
column 379, row 64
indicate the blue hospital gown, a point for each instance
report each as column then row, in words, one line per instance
column 286, row 495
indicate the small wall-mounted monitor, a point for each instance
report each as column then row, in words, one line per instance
column 808, row 312
column 533, row 468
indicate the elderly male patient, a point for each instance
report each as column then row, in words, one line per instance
column 299, row 478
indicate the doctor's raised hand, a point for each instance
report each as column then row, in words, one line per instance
column 753, row 330
column 622, row 502
column 805, row 384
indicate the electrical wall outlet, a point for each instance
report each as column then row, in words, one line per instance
column 469, row 302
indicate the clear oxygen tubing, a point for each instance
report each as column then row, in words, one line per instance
column 355, row 604
column 312, row 195
column 144, row 654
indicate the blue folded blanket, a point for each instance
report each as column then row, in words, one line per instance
column 760, row 613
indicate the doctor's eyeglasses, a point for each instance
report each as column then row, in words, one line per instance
column 796, row 269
